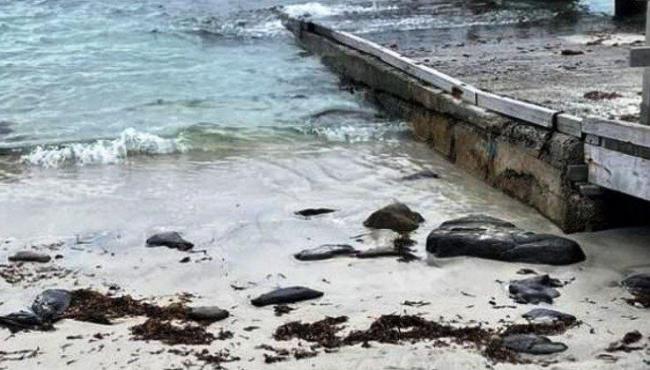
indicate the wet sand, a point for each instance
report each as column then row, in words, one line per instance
column 241, row 212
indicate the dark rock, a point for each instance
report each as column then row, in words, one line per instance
column 314, row 212
column 286, row 295
column 572, row 52
column 387, row 252
column 23, row 320
column 207, row 313
column 601, row 95
column 50, row 304
column 185, row 260
column 487, row 237
column 170, row 239
column 638, row 284
column 546, row 314
column 534, row 290
column 47, row 308
column 533, row 344
column 29, row 256
column 625, row 344
column 397, row 217
column 282, row 309
column 425, row 174
column 325, row 252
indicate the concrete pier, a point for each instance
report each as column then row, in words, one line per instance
column 538, row 155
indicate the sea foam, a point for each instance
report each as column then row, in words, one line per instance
column 318, row 10
column 130, row 142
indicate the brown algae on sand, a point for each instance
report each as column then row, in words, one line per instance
column 398, row 329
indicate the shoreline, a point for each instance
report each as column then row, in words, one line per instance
column 246, row 260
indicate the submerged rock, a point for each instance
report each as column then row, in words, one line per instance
column 535, row 290
column 424, row 174
column 286, row 295
column 169, row 239
column 5, row 128
column 207, row 313
column 325, row 252
column 29, row 256
column 533, row 344
column 397, row 217
column 543, row 314
column 491, row 238
column 308, row 212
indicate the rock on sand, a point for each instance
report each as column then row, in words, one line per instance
column 286, row 295
column 169, row 239
column 491, row 238
column 397, row 217
column 29, row 256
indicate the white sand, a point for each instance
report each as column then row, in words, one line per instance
column 241, row 212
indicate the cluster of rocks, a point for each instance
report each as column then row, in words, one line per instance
column 472, row 236
column 397, row 217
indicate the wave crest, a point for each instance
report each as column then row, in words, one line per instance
column 130, row 142
column 318, row 10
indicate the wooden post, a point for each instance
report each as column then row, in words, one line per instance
column 645, row 103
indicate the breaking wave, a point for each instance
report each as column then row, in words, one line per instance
column 332, row 126
column 318, row 10
column 130, row 142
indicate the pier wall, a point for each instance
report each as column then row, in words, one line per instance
column 540, row 166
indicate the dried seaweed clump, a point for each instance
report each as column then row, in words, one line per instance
column 396, row 329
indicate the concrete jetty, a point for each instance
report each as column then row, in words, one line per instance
column 527, row 116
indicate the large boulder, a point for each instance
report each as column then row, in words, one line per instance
column 397, row 217
column 488, row 237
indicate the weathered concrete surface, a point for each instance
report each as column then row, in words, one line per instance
column 583, row 52
column 525, row 161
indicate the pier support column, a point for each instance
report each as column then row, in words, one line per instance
column 626, row 8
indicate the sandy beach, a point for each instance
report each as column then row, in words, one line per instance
column 208, row 120
column 249, row 233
